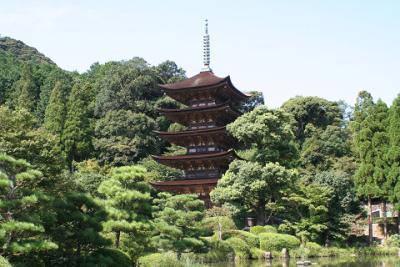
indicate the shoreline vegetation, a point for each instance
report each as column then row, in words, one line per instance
column 76, row 170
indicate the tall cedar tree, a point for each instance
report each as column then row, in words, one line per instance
column 56, row 110
column 22, row 235
column 77, row 133
column 394, row 151
column 26, row 90
column 128, row 203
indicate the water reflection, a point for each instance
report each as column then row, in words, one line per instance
column 323, row 262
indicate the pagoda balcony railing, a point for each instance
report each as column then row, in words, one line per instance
column 202, row 174
column 202, row 126
column 203, row 149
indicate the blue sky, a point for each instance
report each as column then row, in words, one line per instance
column 330, row 48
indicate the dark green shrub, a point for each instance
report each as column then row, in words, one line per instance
column 160, row 260
column 313, row 249
column 108, row 257
column 219, row 250
column 241, row 249
column 276, row 242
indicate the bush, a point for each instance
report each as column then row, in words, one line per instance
column 219, row 251
column 107, row 257
column 159, row 260
column 241, row 249
column 212, row 223
column 313, row 249
column 270, row 229
column 258, row 229
column 276, row 242
column 4, row 262
column 257, row 253
column 393, row 241
column 251, row 239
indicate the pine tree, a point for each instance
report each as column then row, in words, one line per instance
column 394, row 151
column 56, row 110
column 76, row 136
column 21, row 228
column 128, row 202
column 26, row 90
column 178, row 225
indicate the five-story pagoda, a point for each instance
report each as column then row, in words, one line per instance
column 210, row 102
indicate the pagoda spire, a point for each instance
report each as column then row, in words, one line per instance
column 206, row 49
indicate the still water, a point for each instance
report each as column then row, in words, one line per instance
column 326, row 262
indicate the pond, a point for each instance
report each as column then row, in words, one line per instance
column 326, row 262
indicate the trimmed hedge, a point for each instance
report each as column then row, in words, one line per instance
column 270, row 229
column 4, row 262
column 241, row 249
column 258, row 229
column 276, row 242
column 159, row 260
column 108, row 257
column 251, row 240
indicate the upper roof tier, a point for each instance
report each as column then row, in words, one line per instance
column 203, row 85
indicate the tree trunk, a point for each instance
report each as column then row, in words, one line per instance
column 370, row 234
column 117, row 238
column 260, row 213
column 385, row 224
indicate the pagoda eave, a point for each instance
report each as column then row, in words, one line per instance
column 197, row 186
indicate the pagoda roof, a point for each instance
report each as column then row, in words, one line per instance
column 203, row 80
column 182, row 161
column 199, row 108
column 187, row 185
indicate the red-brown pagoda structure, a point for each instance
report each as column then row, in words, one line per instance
column 210, row 102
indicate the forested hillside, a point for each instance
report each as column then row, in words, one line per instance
column 75, row 170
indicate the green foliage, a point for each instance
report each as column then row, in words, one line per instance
column 76, row 228
column 4, row 262
column 128, row 203
column 270, row 229
column 107, row 257
column 178, row 223
column 160, row 260
column 159, row 172
column 258, row 229
column 309, row 213
column 219, row 251
column 251, row 239
column 56, row 110
column 393, row 241
column 276, row 242
column 26, row 90
column 21, row 223
column 251, row 186
column 268, row 132
column 256, row 99
column 312, row 112
column 20, row 138
column 124, row 137
column 240, row 247
column 393, row 154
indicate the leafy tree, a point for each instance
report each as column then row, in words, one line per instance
column 20, row 138
column 123, row 137
column 169, row 72
column 250, row 186
column 77, row 132
column 342, row 206
column 307, row 210
column 256, row 99
column 267, row 132
column 159, row 172
column 311, row 111
column 21, row 230
column 128, row 203
column 178, row 223
column 76, row 229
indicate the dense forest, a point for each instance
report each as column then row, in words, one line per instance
column 75, row 170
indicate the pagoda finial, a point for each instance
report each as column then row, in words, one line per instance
column 206, row 49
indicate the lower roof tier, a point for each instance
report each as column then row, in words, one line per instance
column 197, row 186
column 216, row 135
column 221, row 113
column 216, row 160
